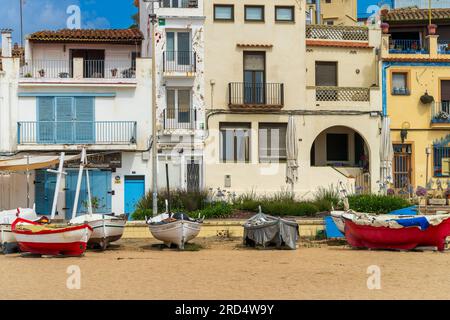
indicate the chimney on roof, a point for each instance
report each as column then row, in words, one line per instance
column 6, row 43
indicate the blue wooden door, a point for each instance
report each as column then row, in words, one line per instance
column 134, row 191
column 44, row 186
column 100, row 182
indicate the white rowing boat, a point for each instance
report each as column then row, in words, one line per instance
column 177, row 229
column 106, row 228
column 8, row 242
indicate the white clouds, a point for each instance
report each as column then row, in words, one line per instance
column 47, row 15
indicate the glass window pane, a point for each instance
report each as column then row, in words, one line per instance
column 284, row 14
column 170, row 46
column 223, row 13
column 184, row 106
column 253, row 62
column 272, row 142
column 235, row 142
column 254, row 13
column 399, row 81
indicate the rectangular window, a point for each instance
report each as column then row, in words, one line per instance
column 178, row 4
column 235, row 142
column 254, row 13
column 337, row 147
column 400, row 83
column 224, row 12
column 441, row 160
column 326, row 74
column 272, row 142
column 284, row 14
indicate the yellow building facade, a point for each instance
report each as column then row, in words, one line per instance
column 416, row 95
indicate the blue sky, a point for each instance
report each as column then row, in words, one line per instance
column 51, row 14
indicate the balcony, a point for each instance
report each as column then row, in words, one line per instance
column 179, row 63
column 407, row 47
column 440, row 113
column 337, row 33
column 255, row 96
column 351, row 98
column 443, row 46
column 179, row 120
column 179, row 4
column 78, row 69
column 77, row 132
column 342, row 94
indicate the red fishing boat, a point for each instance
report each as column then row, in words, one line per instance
column 398, row 232
column 46, row 239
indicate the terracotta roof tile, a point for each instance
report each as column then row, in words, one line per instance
column 412, row 59
column 254, row 45
column 344, row 44
column 88, row 35
column 415, row 14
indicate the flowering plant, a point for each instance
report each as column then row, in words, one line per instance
column 391, row 192
column 421, row 192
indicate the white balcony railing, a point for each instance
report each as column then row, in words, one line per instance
column 46, row 69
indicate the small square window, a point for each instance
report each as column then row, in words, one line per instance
column 400, row 83
column 224, row 12
column 254, row 13
column 284, row 13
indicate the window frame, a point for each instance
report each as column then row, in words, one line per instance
column 407, row 74
column 263, row 15
column 292, row 8
column 176, row 107
column 231, row 6
column 274, row 125
column 237, row 125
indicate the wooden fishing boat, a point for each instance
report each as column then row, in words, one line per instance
column 177, row 229
column 8, row 243
column 45, row 239
column 106, row 228
column 338, row 220
column 396, row 232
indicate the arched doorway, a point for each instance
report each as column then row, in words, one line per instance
column 345, row 150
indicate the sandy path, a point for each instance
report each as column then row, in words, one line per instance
column 223, row 270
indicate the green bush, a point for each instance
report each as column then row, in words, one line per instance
column 378, row 204
column 141, row 214
column 326, row 198
column 214, row 211
column 179, row 199
column 289, row 208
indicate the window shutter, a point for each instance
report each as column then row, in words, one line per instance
column 326, row 74
column 46, row 118
column 84, row 115
column 64, row 119
column 445, row 90
column 446, row 166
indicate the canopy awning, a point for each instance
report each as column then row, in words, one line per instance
column 33, row 162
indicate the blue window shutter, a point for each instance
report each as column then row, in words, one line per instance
column 46, row 119
column 64, row 119
column 84, row 125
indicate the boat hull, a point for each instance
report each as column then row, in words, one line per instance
column 8, row 242
column 70, row 241
column 178, row 232
column 106, row 229
column 338, row 220
column 408, row 238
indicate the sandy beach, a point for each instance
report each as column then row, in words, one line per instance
column 134, row 269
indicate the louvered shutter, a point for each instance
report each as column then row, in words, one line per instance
column 84, row 125
column 46, row 120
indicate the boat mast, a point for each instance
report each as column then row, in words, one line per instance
column 89, row 193
column 59, row 174
column 80, row 178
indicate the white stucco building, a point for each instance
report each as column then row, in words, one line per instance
column 75, row 89
column 180, row 89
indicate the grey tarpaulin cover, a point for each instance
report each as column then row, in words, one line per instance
column 264, row 230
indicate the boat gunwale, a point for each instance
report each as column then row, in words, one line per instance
column 45, row 232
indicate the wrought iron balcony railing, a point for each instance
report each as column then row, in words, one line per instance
column 179, row 61
column 407, row 46
column 77, row 132
column 181, row 118
column 440, row 112
column 243, row 94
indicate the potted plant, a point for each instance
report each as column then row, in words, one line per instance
column 426, row 98
column 421, row 193
column 41, row 73
column 390, row 192
column 114, row 72
column 28, row 75
column 432, row 29
column 385, row 27
column 438, row 197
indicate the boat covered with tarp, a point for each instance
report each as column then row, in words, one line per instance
column 265, row 230
column 364, row 230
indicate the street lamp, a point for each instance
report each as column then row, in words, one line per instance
column 153, row 20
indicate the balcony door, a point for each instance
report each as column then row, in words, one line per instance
column 179, row 110
column 93, row 62
column 179, row 48
column 254, row 77
column 326, row 76
column 445, row 97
